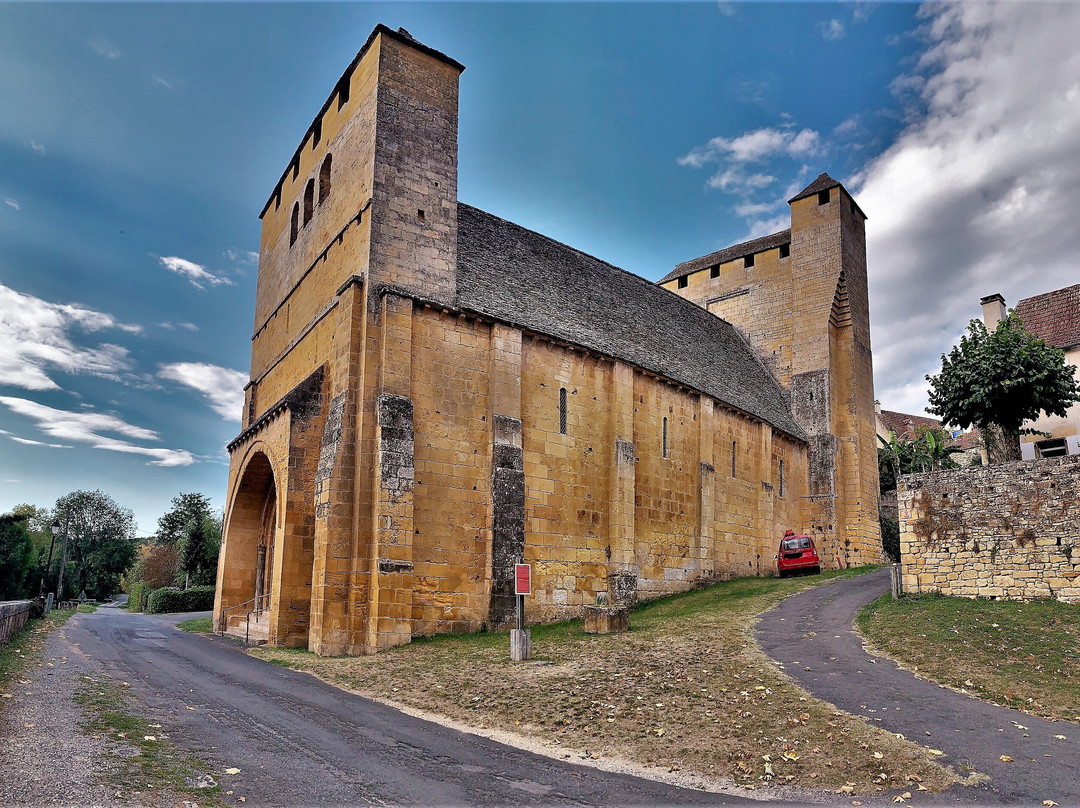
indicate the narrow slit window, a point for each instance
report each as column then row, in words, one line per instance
column 781, row 486
column 683, row 281
column 562, row 410
column 295, row 226
column 316, row 134
column 748, row 261
column 309, row 201
column 785, row 250
column 324, row 178
column 343, row 93
column 733, row 458
column 663, row 445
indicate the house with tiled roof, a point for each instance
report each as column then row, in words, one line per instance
column 1055, row 318
column 906, row 426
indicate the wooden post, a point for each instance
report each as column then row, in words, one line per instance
column 897, row 585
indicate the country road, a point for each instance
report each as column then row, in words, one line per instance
column 298, row 741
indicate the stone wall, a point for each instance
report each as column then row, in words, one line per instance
column 1009, row 531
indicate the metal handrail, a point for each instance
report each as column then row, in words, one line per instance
column 258, row 610
column 222, row 622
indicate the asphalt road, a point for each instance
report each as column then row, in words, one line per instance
column 298, row 741
column 811, row 635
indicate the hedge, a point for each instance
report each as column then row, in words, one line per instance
column 196, row 599
column 137, row 597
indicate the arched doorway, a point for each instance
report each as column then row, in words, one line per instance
column 246, row 582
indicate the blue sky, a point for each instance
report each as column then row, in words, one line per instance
column 139, row 142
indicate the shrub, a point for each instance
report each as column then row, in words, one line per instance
column 196, row 599
column 890, row 535
column 137, row 596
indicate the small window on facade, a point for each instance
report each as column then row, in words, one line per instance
column 785, row 250
column 316, row 134
column 295, row 170
column 343, row 93
column 748, row 261
column 1056, row 447
column 733, row 458
column 851, row 204
column 714, row 271
column 295, row 226
column 663, row 444
column 562, row 410
column 309, row 200
column 781, row 486
column 324, row 178
column 683, row 281
column 823, row 197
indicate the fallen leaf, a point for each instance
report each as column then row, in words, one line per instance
column 914, row 778
column 232, row 770
column 29, row 726
column 900, row 800
column 5, row 695
column 1006, row 759
column 969, row 683
column 878, row 756
column 1050, row 804
column 906, row 795
column 149, row 737
column 1061, row 737
column 848, row 789
column 242, row 799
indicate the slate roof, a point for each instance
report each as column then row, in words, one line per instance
column 1054, row 316
column 517, row 276
column 822, row 183
column 729, row 254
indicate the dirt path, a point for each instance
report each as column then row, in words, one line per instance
column 811, row 635
column 44, row 759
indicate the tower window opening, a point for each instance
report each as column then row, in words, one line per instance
column 295, row 226
column 714, row 271
column 851, row 204
column 748, row 261
column 562, row 410
column 781, row 481
column 663, row 444
column 295, row 170
column 316, row 134
column 324, row 178
column 685, row 279
column 785, row 250
column 823, row 197
column 733, row 458
column 309, row 201
column 343, row 93
column 277, row 199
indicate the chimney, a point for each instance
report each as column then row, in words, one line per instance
column 993, row 310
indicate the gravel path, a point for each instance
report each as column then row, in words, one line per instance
column 811, row 635
column 44, row 759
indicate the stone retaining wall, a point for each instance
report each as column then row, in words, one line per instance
column 1009, row 531
column 13, row 616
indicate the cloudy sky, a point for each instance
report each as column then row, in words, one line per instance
column 138, row 143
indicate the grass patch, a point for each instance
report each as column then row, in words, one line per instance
column 686, row 689
column 197, row 625
column 141, row 761
column 87, row 608
column 1020, row 655
column 26, row 646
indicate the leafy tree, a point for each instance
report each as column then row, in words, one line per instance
column 16, row 552
column 998, row 380
column 199, row 551
column 156, row 565
column 186, row 509
column 929, row 450
column 39, row 526
column 100, row 542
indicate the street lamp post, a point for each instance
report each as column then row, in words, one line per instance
column 55, row 526
column 63, row 562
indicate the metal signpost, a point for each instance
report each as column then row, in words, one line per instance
column 521, row 637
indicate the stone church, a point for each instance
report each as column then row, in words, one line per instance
column 437, row 393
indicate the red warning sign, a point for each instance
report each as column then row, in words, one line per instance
column 523, row 579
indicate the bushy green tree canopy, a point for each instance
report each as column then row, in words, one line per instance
column 998, row 380
column 186, row 509
column 16, row 552
column 100, row 540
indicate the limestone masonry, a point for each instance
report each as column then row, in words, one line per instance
column 1009, row 531
column 437, row 394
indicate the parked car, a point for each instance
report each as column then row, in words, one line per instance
column 797, row 553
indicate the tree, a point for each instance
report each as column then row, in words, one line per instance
column 199, row 551
column 186, row 509
column 998, row 380
column 156, row 565
column 39, row 526
column 929, row 450
column 100, row 542
column 16, row 552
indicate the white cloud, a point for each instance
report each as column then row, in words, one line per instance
column 831, row 30
column 86, row 427
column 173, row 326
column 29, row 442
column 35, row 335
column 726, row 7
column 195, row 273
column 243, row 257
column 11, row 203
column 37, row 147
column 102, row 47
column 162, row 82
column 978, row 193
column 222, row 387
column 767, row 227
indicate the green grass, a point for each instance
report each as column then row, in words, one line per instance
column 197, row 625
column 685, row 689
column 87, row 608
column 153, row 764
column 26, row 646
column 1021, row 655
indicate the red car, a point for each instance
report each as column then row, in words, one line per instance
column 797, row 553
